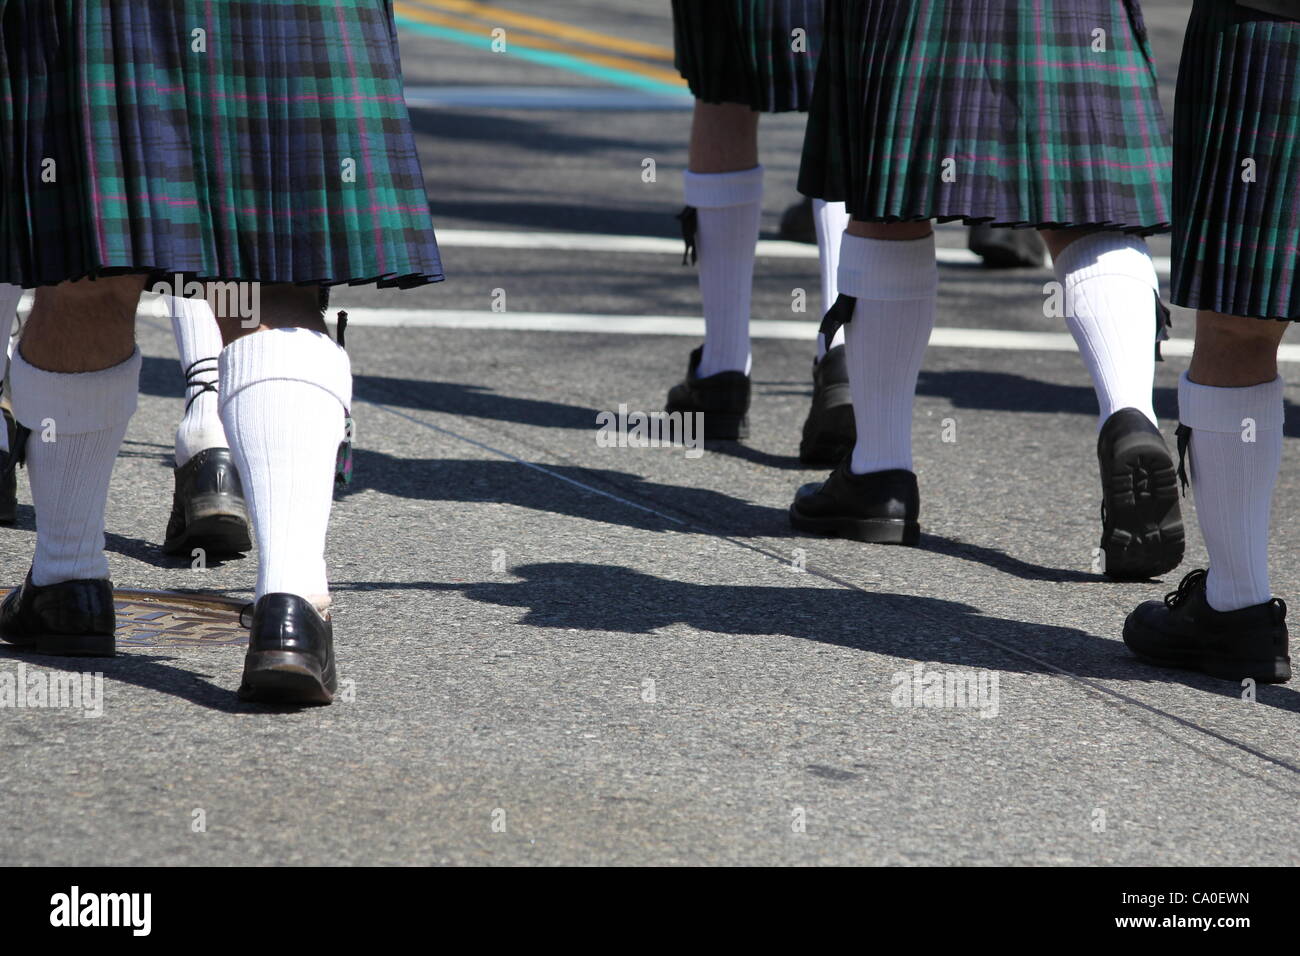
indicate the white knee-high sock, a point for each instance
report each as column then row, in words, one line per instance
column 1235, row 452
column 9, row 296
column 895, row 284
column 198, row 340
column 729, row 207
column 283, row 395
column 831, row 219
column 1110, row 286
column 78, row 421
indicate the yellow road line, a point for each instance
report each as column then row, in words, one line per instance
column 534, row 43
column 551, row 28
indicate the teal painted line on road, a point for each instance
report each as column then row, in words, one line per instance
column 561, row 61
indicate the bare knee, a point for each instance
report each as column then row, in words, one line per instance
column 270, row 306
column 82, row 326
column 724, row 138
column 1234, row 351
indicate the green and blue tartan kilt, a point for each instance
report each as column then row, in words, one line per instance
column 258, row 140
column 1237, row 163
column 1029, row 113
column 748, row 51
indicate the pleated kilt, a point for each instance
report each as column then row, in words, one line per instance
column 258, row 140
column 1237, row 163
column 1029, row 113
column 748, row 51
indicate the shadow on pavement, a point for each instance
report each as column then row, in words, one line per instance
column 703, row 510
column 592, row 597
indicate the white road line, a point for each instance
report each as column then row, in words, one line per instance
column 594, row 242
column 1006, row 340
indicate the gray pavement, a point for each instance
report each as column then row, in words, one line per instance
column 651, row 678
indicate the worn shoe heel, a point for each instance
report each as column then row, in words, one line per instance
column 1142, row 525
column 208, row 510
column 285, row 677
column 215, row 524
column 290, row 657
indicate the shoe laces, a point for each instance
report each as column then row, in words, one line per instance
column 197, row 378
column 1195, row 581
column 1192, row 582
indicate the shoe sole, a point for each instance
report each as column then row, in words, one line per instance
column 1276, row 671
column 1144, row 537
column 285, row 677
column 868, row 530
column 218, row 524
column 66, row 645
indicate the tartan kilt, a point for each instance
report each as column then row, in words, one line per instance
column 1236, row 242
column 256, row 140
column 1013, row 113
column 744, row 51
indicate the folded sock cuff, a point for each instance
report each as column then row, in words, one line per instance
column 1106, row 254
column 77, row 403
column 887, row 269
column 715, row 190
column 294, row 355
column 1213, row 409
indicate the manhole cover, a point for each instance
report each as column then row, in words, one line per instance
column 169, row 619
column 172, row 619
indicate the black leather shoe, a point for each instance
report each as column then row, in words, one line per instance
column 1142, row 524
column 829, row 431
column 881, row 506
column 723, row 398
column 290, row 656
column 1184, row 631
column 1006, row 248
column 208, row 508
column 797, row 222
column 8, row 472
column 70, row 618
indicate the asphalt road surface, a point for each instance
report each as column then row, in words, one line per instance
column 563, row 653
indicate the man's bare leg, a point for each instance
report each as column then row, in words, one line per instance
column 76, row 378
column 1231, row 399
column 285, row 388
column 724, row 186
column 890, row 271
column 1110, row 295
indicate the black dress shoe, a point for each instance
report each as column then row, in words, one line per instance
column 70, row 618
column 1142, row 525
column 208, row 508
column 797, row 223
column 881, row 506
column 723, row 398
column 9, row 472
column 1184, row 631
column 290, row 656
column 1006, row 248
column 829, row 431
